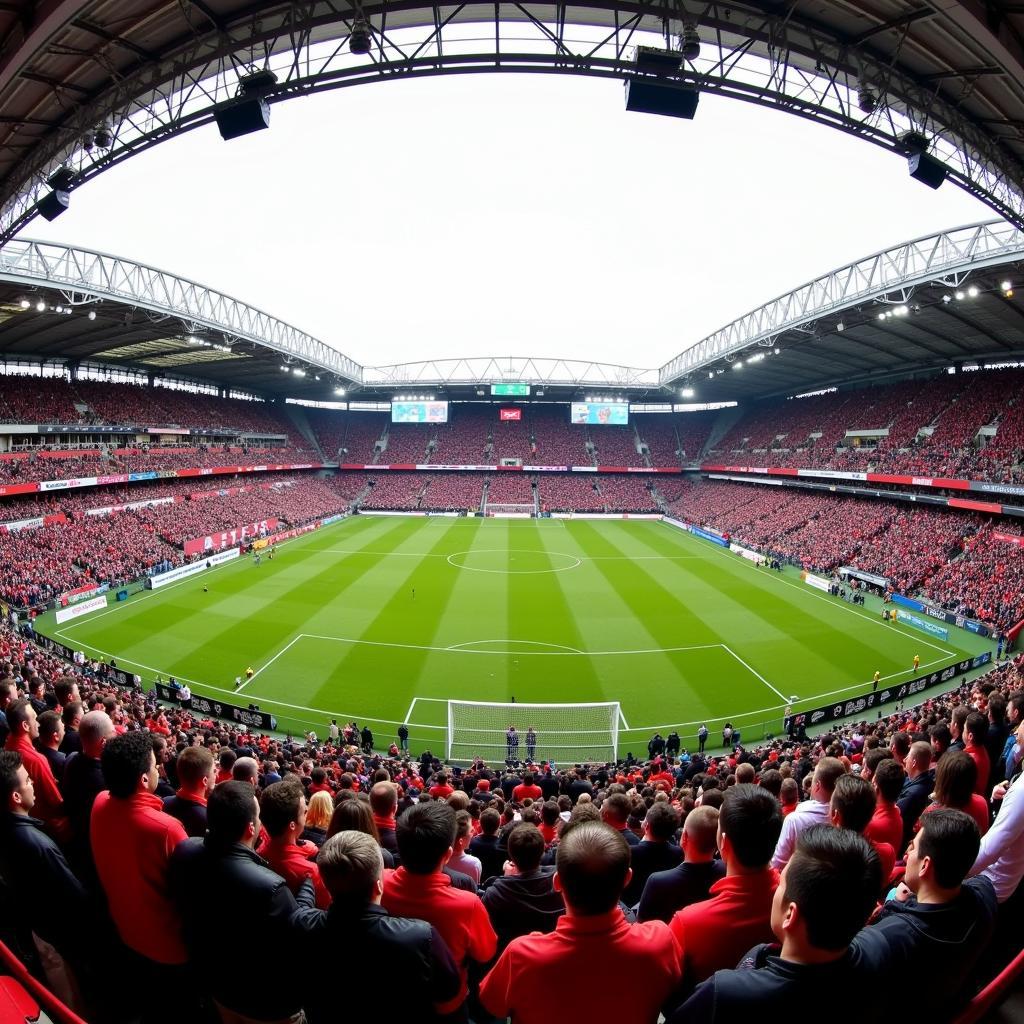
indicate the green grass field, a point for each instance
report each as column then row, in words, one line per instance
column 383, row 619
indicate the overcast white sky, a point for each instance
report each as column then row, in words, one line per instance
column 507, row 214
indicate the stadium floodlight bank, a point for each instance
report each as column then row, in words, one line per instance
column 565, row 733
column 506, row 511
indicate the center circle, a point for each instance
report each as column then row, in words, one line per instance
column 513, row 561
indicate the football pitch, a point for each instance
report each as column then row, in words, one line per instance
column 383, row 619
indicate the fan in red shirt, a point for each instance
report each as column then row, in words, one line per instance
column 975, row 734
column 955, row 780
column 440, row 790
column 283, row 813
column 714, row 935
column 132, row 842
column 420, row 889
column 49, row 805
column 852, row 806
column 886, row 825
column 527, row 790
column 537, row 979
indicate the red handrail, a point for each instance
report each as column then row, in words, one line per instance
column 46, row 999
column 993, row 993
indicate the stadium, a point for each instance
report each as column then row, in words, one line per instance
column 702, row 670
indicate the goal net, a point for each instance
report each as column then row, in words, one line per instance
column 506, row 511
column 563, row 733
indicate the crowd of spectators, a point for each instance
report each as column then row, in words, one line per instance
column 510, row 489
column 950, row 558
column 616, row 446
column 880, row 857
column 569, row 492
column 37, row 565
column 627, row 494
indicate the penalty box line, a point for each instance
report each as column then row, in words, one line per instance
column 756, row 674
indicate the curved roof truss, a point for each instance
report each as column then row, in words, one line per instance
column 96, row 275
column 525, row 370
column 947, row 257
column 157, row 70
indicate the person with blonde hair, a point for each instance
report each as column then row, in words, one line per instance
column 318, row 818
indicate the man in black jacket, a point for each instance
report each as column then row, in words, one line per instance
column 917, row 789
column 487, row 846
column 83, row 781
column 827, row 890
column 45, row 894
column 656, row 852
column 358, row 932
column 524, row 900
column 690, row 882
column 224, row 870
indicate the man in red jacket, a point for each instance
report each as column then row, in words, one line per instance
column 714, row 934
column 283, row 811
column 533, row 979
column 420, row 889
column 132, row 842
column 49, row 805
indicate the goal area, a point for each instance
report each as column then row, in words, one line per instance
column 506, row 511
column 563, row 733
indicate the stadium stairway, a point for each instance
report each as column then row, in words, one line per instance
column 301, row 422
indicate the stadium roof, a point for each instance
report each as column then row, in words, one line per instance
column 85, row 84
column 930, row 303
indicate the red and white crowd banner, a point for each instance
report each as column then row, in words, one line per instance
column 107, row 509
column 230, row 538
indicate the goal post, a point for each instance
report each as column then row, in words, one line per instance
column 504, row 510
column 564, row 733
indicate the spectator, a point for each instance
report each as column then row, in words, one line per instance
column 49, row 804
column 975, row 735
column 1001, row 856
column 810, row 812
column 354, row 815
column 51, row 734
column 656, row 852
column 223, row 870
column 43, row 890
column 917, row 788
column 938, row 925
column 853, row 806
column 83, row 782
column 615, row 812
column 955, row 780
column 828, row 889
column 714, row 934
column 132, row 842
column 71, row 716
column 420, row 889
column 527, row 790
column 486, row 846
column 690, row 882
column 318, row 819
column 384, row 803
column 886, row 825
column 196, row 771
column 283, row 813
column 460, row 860
column 360, row 933
column 531, row 982
column 523, row 899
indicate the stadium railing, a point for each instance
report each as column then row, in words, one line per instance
column 993, row 993
column 22, row 998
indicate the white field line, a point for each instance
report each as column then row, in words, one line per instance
column 267, row 665
column 832, row 602
column 622, row 718
column 754, row 672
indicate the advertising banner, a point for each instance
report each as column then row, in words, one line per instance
column 1009, row 538
column 211, row 708
column 922, row 624
column 868, row 701
column 184, row 571
column 76, row 610
column 229, row 538
column 815, row 581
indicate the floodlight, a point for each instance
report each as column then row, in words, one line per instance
column 92, row 314
column 40, row 306
column 360, row 40
column 973, row 291
column 687, row 392
column 689, row 41
column 25, row 303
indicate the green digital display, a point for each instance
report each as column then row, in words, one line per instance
column 510, row 389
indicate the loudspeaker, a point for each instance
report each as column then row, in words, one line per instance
column 651, row 98
column 52, row 205
column 242, row 117
column 927, row 169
